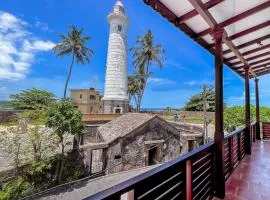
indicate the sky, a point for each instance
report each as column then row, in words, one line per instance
column 30, row 28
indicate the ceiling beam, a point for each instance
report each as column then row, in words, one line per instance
column 260, row 66
column 263, row 69
column 171, row 17
column 193, row 13
column 263, row 73
column 252, row 58
column 249, row 52
column 249, row 30
column 253, row 63
column 238, row 17
column 206, row 15
column 255, row 41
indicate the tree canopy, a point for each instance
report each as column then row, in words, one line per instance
column 196, row 102
column 234, row 117
column 31, row 99
column 74, row 44
column 64, row 119
column 145, row 54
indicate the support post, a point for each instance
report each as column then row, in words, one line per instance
column 258, row 128
column 219, row 134
column 247, row 98
column 189, row 188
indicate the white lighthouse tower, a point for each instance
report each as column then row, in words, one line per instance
column 115, row 98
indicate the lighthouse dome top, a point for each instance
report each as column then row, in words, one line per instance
column 119, row 7
column 119, row 3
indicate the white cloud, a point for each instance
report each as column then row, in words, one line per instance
column 175, row 64
column 198, row 83
column 160, row 81
column 42, row 25
column 18, row 47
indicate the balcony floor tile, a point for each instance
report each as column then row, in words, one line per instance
column 251, row 179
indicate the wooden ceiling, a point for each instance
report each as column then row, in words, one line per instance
column 246, row 24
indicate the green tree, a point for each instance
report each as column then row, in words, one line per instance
column 234, row 117
column 135, row 84
column 64, row 119
column 31, row 99
column 74, row 44
column 145, row 54
column 206, row 95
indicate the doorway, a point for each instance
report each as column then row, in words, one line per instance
column 153, row 156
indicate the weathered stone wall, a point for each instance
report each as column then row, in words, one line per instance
column 6, row 116
column 135, row 146
column 114, row 157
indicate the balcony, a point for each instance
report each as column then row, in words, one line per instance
column 194, row 175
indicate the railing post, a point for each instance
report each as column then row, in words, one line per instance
column 247, row 98
column 258, row 129
column 219, row 134
column 189, row 190
column 230, row 140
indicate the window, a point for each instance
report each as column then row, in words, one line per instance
column 80, row 96
column 121, row 9
column 117, row 156
column 75, row 106
column 92, row 97
column 119, row 28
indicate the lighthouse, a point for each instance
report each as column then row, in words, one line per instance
column 115, row 99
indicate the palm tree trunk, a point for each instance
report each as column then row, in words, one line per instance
column 144, row 86
column 69, row 74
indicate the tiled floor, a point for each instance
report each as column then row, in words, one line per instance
column 251, row 179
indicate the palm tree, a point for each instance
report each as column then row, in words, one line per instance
column 145, row 54
column 74, row 44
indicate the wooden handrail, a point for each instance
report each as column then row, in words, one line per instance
column 127, row 185
column 234, row 133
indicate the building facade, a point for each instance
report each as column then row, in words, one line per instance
column 86, row 100
column 115, row 98
column 137, row 140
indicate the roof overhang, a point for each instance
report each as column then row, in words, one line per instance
column 246, row 25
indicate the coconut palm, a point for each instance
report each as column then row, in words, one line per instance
column 146, row 54
column 74, row 44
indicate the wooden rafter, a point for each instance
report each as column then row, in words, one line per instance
column 252, row 58
column 262, row 70
column 263, row 73
column 174, row 19
column 253, row 63
column 260, row 66
column 193, row 13
column 255, row 41
column 238, row 17
column 206, row 15
column 250, row 52
column 249, row 30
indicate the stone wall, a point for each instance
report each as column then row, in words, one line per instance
column 135, row 146
column 6, row 116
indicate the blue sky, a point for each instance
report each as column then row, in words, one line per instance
column 29, row 29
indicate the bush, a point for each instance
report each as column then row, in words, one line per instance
column 15, row 189
column 234, row 117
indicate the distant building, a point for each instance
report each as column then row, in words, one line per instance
column 115, row 98
column 86, row 100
